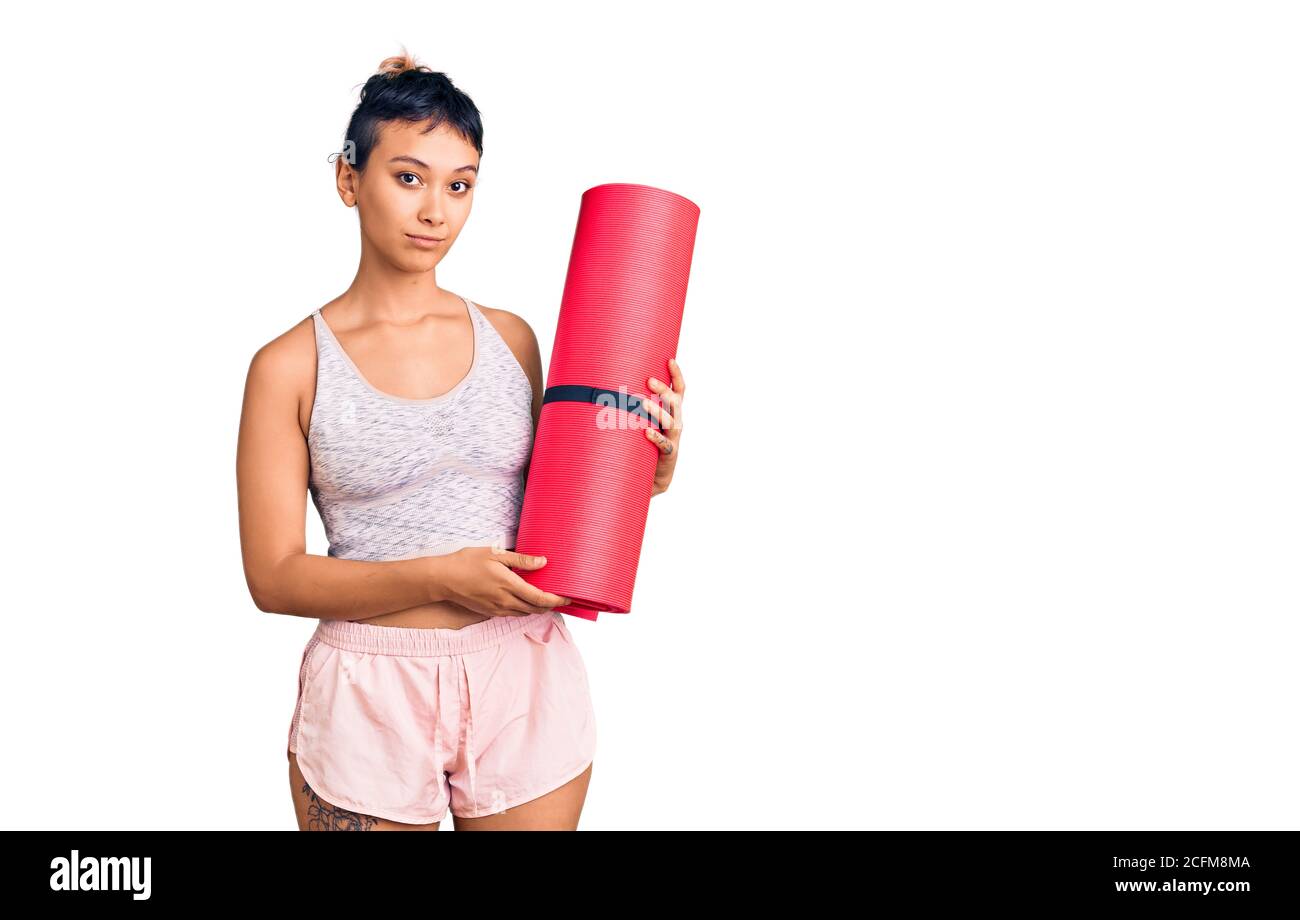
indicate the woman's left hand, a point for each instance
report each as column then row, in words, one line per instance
column 669, row 417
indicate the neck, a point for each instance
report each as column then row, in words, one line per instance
column 384, row 293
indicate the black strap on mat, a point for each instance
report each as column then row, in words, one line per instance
column 611, row 398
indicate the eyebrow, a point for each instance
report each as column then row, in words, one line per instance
column 424, row 165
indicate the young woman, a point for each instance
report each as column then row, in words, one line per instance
column 437, row 679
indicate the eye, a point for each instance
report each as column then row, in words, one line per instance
column 464, row 183
column 412, row 175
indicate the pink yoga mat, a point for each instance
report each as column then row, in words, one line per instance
column 592, row 468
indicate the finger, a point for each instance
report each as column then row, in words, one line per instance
column 519, row 560
column 659, row 412
column 535, row 596
column 674, row 400
column 679, row 382
column 518, row 605
column 523, row 609
column 545, row 599
column 665, row 446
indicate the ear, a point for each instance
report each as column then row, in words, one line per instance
column 345, row 180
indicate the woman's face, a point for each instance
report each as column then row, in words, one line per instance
column 414, row 184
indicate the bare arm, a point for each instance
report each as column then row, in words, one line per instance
column 271, row 469
column 523, row 344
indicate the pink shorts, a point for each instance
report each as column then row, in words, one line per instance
column 402, row 723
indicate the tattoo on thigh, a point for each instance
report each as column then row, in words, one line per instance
column 322, row 816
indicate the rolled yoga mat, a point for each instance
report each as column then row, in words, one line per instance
column 592, row 468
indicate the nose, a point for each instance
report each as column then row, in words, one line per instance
column 431, row 210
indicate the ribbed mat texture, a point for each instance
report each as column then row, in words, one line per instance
column 592, row 468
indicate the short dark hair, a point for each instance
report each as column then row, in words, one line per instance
column 403, row 90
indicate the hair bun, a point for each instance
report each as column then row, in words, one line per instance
column 399, row 64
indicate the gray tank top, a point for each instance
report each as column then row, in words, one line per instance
column 396, row 478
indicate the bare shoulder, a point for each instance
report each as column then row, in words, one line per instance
column 286, row 356
column 284, row 369
column 516, row 332
column 513, row 328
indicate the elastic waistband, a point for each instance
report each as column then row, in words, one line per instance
column 414, row 640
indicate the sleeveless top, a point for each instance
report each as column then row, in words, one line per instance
column 395, row 478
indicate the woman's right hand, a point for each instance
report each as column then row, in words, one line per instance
column 479, row 578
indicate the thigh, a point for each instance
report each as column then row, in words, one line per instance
column 557, row 810
column 316, row 814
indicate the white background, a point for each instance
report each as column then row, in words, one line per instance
column 987, row 508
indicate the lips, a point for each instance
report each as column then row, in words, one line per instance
column 426, row 239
